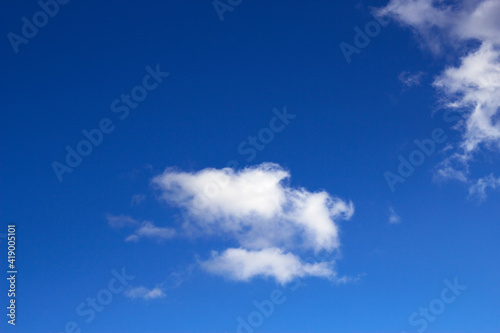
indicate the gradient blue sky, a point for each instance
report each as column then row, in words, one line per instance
column 352, row 122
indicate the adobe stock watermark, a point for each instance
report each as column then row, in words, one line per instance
column 436, row 307
column 263, row 309
column 88, row 308
column 40, row 19
column 417, row 157
column 251, row 146
column 363, row 37
column 121, row 106
column 222, row 6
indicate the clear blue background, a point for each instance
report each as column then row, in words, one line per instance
column 353, row 120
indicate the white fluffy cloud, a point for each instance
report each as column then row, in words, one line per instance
column 438, row 22
column 268, row 218
column 479, row 21
column 144, row 293
column 472, row 87
column 242, row 264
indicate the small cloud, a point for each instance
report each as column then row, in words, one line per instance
column 120, row 221
column 394, row 218
column 242, row 265
column 149, row 230
column 137, row 199
column 409, row 79
column 132, row 238
column 478, row 189
column 446, row 148
column 145, row 293
column 449, row 173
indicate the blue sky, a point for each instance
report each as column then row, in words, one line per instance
column 252, row 152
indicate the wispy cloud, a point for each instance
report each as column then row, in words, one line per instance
column 149, row 230
column 447, row 172
column 409, row 79
column 394, row 218
column 471, row 88
column 137, row 199
column 120, row 221
column 270, row 220
column 478, row 190
column 144, row 293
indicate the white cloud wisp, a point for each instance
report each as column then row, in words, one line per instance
column 145, row 293
column 149, row 230
column 472, row 88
